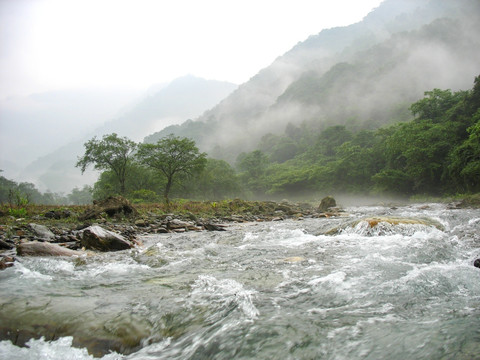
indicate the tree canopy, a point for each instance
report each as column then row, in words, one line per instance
column 111, row 153
column 174, row 157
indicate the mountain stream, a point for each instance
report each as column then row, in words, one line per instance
column 275, row 290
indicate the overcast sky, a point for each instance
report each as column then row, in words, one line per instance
column 66, row 44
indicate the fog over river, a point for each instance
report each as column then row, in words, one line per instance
column 272, row 290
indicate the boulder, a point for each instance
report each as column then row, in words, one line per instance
column 4, row 245
column 112, row 206
column 42, row 232
column 6, row 262
column 176, row 224
column 36, row 248
column 326, row 204
column 97, row 238
column 373, row 222
column 476, row 263
column 58, row 214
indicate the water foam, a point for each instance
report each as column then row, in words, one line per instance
column 225, row 291
column 60, row 349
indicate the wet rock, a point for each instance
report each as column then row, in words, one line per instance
column 97, row 238
column 112, row 206
column 327, row 203
column 6, row 262
column 213, row 227
column 176, row 224
column 373, row 222
column 42, row 232
column 476, row 263
column 5, row 246
column 36, row 248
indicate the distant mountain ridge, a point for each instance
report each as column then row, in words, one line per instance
column 364, row 74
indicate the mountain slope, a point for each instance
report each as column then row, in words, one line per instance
column 359, row 73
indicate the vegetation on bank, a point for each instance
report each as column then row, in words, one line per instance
column 437, row 154
column 72, row 214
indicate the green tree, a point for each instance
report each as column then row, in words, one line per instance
column 435, row 104
column 138, row 178
column 252, row 168
column 6, row 188
column 218, row 180
column 174, row 157
column 331, row 138
column 464, row 162
column 111, row 153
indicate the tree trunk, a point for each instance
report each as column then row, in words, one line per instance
column 167, row 190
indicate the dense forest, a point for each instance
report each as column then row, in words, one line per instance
column 435, row 154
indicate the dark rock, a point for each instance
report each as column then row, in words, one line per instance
column 4, row 245
column 36, row 248
column 112, row 206
column 327, row 203
column 58, row 214
column 97, row 238
column 213, row 227
column 476, row 263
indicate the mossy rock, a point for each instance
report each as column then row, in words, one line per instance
column 327, row 203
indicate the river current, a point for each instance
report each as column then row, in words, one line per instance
column 273, row 290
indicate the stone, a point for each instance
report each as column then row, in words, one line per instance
column 175, row 224
column 36, row 248
column 97, row 238
column 141, row 223
column 213, row 227
column 372, row 222
column 327, row 203
column 42, row 232
column 58, row 214
column 6, row 262
column 4, row 245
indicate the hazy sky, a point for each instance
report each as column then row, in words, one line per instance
column 65, row 44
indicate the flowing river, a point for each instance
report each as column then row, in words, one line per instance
column 276, row 290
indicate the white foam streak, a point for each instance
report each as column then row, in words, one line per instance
column 60, row 349
column 225, row 291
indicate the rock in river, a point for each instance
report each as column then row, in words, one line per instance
column 42, row 232
column 327, row 203
column 36, row 248
column 97, row 238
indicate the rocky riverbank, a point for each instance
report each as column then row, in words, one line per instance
column 115, row 224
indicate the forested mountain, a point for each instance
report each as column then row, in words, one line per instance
column 183, row 98
column 364, row 75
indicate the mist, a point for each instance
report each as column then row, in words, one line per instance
column 366, row 75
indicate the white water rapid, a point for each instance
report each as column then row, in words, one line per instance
column 279, row 290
